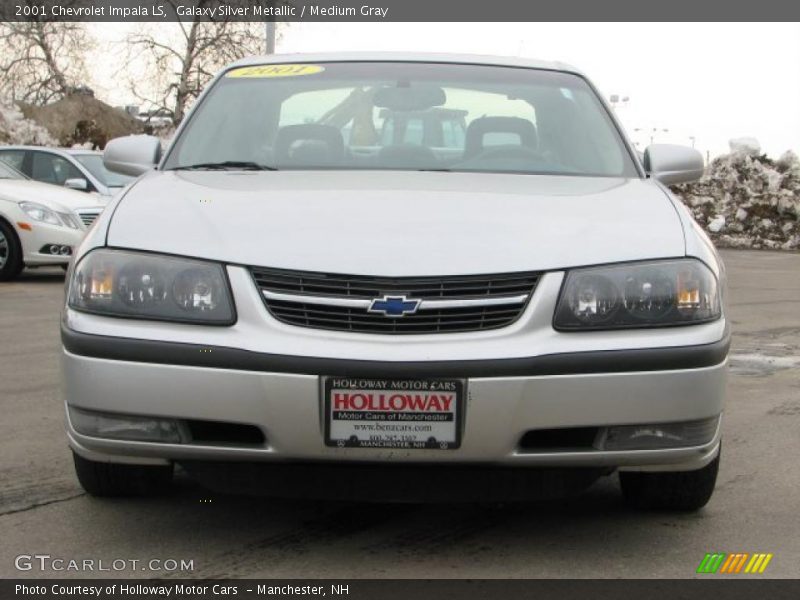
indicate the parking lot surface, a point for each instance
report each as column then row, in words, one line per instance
column 755, row 507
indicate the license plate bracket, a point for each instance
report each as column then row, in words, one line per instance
column 405, row 414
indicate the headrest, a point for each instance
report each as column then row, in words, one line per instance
column 309, row 143
column 477, row 130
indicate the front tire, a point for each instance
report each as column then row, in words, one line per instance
column 10, row 252
column 120, row 480
column 674, row 490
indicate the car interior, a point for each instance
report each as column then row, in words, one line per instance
column 407, row 125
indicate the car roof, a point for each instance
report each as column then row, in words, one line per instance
column 69, row 151
column 472, row 59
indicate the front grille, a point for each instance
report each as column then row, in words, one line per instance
column 88, row 217
column 310, row 299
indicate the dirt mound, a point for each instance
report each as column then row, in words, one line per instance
column 82, row 119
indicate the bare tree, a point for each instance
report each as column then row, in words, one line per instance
column 41, row 61
column 181, row 58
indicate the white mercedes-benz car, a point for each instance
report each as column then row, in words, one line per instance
column 74, row 168
column 398, row 276
column 40, row 225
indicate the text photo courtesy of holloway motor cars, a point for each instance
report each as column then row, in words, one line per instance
column 313, row 296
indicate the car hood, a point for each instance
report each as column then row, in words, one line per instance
column 397, row 223
column 52, row 196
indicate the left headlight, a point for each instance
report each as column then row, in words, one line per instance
column 39, row 212
column 636, row 295
column 151, row 286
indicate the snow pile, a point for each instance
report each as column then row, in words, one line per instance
column 16, row 129
column 745, row 145
column 747, row 200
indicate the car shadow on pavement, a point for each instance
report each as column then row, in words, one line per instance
column 41, row 275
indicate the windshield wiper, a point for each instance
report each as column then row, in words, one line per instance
column 228, row 165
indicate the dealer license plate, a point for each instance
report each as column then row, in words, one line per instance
column 393, row 413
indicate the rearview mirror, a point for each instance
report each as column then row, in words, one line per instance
column 409, row 97
column 132, row 154
column 78, row 183
column 671, row 164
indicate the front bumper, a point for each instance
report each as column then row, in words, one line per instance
column 42, row 235
column 286, row 405
column 524, row 377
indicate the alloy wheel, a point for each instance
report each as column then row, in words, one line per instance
column 3, row 249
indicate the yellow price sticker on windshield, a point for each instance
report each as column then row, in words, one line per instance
column 275, row 71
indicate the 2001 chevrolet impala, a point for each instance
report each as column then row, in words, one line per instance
column 398, row 276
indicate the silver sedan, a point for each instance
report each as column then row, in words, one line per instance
column 400, row 277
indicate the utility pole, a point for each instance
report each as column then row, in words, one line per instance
column 270, row 37
column 269, row 32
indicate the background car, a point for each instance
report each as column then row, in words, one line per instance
column 40, row 224
column 77, row 169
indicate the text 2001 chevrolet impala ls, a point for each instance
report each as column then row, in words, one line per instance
column 404, row 276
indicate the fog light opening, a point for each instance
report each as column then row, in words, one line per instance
column 56, row 250
column 125, row 427
column 655, row 436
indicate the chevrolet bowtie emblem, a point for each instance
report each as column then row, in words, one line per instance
column 394, row 306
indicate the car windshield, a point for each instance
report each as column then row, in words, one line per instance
column 407, row 116
column 94, row 163
column 8, row 172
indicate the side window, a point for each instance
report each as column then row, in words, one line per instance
column 50, row 168
column 13, row 158
column 317, row 106
column 387, row 132
column 415, row 132
column 452, row 134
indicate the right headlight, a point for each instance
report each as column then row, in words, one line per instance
column 141, row 285
column 637, row 295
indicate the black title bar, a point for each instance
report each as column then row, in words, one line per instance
column 372, row 11
column 394, row 589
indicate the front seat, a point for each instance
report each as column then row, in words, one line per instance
column 477, row 130
column 309, row 144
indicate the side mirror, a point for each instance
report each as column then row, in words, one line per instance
column 78, row 183
column 132, row 154
column 671, row 164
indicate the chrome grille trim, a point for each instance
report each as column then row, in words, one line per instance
column 88, row 217
column 429, row 304
column 445, row 304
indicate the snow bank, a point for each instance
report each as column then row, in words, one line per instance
column 16, row 129
column 747, row 200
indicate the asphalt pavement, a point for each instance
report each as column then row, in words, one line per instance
column 755, row 508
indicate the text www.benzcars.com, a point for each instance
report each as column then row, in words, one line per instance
column 391, row 427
